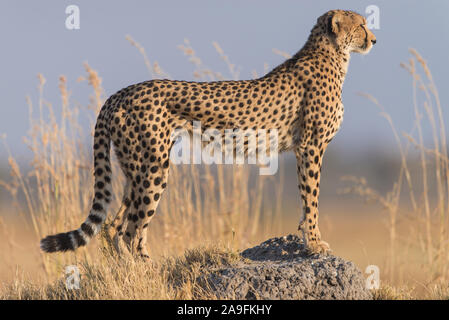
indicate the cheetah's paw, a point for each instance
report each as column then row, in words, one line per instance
column 318, row 247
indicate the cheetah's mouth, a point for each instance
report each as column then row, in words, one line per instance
column 365, row 45
column 365, row 49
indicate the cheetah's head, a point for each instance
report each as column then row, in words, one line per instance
column 347, row 30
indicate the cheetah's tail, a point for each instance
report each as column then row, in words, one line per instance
column 102, row 196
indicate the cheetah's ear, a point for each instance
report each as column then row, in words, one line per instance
column 334, row 23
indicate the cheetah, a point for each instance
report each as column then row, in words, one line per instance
column 301, row 98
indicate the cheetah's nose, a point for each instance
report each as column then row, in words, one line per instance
column 373, row 41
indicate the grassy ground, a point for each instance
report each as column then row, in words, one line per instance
column 113, row 278
column 209, row 213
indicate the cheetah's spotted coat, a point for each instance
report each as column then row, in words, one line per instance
column 301, row 98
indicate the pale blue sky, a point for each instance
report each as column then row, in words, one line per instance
column 35, row 40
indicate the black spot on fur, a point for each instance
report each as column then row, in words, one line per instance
column 87, row 229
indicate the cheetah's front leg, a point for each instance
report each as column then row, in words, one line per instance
column 309, row 169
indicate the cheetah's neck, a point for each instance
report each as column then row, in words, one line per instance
column 324, row 48
column 317, row 49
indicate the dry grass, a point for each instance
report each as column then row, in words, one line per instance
column 207, row 205
column 427, row 217
column 112, row 278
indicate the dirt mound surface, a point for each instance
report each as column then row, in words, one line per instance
column 280, row 268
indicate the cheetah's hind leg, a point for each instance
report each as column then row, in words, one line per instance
column 114, row 230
